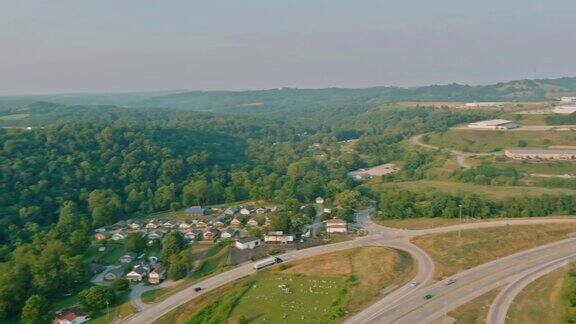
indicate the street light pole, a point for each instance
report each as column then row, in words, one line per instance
column 460, row 216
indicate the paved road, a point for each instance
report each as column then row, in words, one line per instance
column 502, row 302
column 378, row 236
column 470, row 284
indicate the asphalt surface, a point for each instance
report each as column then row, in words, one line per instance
column 405, row 304
column 470, row 284
column 501, row 304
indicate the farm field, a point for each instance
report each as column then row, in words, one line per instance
column 315, row 290
column 482, row 141
column 452, row 254
column 453, row 187
column 474, row 311
column 540, row 301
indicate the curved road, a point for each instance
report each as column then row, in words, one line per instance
column 502, row 302
column 401, row 302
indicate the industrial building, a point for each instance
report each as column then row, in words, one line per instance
column 541, row 155
column 564, row 110
column 499, row 124
column 484, row 104
column 570, row 100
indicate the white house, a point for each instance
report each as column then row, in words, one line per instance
column 138, row 273
column 245, row 211
column 157, row 275
column 247, row 243
column 128, row 257
column 118, row 235
column 229, row 233
column 252, row 222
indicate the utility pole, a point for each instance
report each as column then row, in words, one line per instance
column 460, row 216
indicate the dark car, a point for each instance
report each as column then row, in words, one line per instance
column 197, row 289
column 428, row 296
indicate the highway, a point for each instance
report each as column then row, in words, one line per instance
column 470, row 284
column 502, row 302
column 405, row 304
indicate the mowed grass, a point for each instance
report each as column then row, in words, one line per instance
column 477, row 141
column 452, row 254
column 540, row 301
column 321, row 289
column 455, row 188
column 476, row 310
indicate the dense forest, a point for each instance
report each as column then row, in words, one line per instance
column 69, row 167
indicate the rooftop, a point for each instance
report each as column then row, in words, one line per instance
column 543, row 151
column 492, row 122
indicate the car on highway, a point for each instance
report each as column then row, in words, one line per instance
column 428, row 296
column 414, row 284
column 197, row 289
column 450, row 281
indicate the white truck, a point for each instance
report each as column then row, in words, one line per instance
column 266, row 262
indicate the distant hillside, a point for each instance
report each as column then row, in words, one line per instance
column 277, row 99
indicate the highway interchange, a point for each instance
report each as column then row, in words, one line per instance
column 407, row 304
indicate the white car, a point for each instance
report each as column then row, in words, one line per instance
column 414, row 284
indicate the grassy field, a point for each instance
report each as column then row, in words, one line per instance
column 111, row 255
column 543, row 168
column 540, row 301
column 453, row 188
column 452, row 254
column 320, row 290
column 478, row 141
column 476, row 310
column 418, row 223
column 123, row 310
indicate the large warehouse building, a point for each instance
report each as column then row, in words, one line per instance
column 541, row 155
column 500, row 124
column 564, row 110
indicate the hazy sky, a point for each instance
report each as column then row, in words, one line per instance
column 52, row 46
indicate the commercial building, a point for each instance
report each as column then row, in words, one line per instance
column 498, row 124
column 336, row 226
column 564, row 110
column 571, row 100
column 246, row 243
column 484, row 104
column 541, row 155
column 278, row 237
